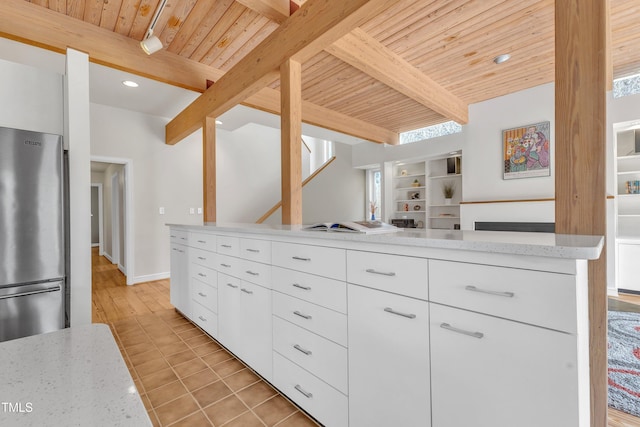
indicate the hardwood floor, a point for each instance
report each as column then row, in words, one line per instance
column 142, row 314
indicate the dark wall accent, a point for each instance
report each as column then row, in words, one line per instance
column 537, row 227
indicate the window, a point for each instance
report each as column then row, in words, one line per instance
column 441, row 129
column 373, row 209
column 626, row 86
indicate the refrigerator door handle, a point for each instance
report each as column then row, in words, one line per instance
column 24, row 294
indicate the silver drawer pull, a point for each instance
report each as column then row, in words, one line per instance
column 202, row 318
column 202, row 295
column 226, row 265
column 255, row 251
column 304, row 316
column 183, row 238
column 302, row 350
column 172, row 235
column 246, row 291
column 201, row 258
column 202, row 275
column 372, row 271
column 252, row 273
column 304, row 393
column 484, row 291
column 392, row 311
column 461, row 331
column 232, row 286
column 181, row 251
column 306, row 288
column 226, row 246
column 202, row 241
column 299, row 258
column 175, row 249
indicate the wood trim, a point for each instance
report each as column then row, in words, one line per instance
column 313, row 27
column 277, row 206
column 276, row 10
column 291, row 148
column 580, row 117
column 209, row 169
column 305, row 145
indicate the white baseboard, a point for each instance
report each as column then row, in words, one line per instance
column 150, row 277
column 122, row 269
column 95, row 245
column 612, row 292
column 107, row 256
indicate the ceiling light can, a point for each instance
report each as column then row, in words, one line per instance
column 501, row 58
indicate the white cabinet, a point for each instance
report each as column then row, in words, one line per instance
column 179, row 282
column 388, row 360
column 229, row 312
column 255, row 327
column 492, row 372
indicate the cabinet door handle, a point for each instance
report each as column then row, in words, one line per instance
column 202, row 318
column 202, row 275
column 461, row 331
column 181, row 251
column 252, row 273
column 201, row 258
column 175, row 249
column 232, row 286
column 183, row 238
column 302, row 350
column 255, row 251
column 304, row 316
column 246, row 291
column 299, row 258
column 296, row 285
column 226, row 246
column 202, row 241
column 225, row 265
column 382, row 273
column 304, row 393
column 407, row 315
column 485, row 291
column 172, row 235
column 202, row 295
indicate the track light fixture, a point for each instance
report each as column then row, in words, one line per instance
column 151, row 44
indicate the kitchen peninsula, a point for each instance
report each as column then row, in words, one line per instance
column 431, row 328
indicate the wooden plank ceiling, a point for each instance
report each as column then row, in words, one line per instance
column 452, row 42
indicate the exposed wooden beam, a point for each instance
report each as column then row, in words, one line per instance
column 48, row 29
column 317, row 24
column 291, row 134
column 580, row 123
column 209, row 169
column 276, row 10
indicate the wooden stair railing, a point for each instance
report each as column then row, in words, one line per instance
column 270, row 212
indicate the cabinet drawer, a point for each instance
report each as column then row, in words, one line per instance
column 392, row 273
column 322, row 401
column 256, row 250
column 205, row 318
column 178, row 236
column 256, row 272
column 322, row 321
column 204, row 274
column 202, row 241
column 536, row 297
column 228, row 265
column 204, row 294
column 327, row 262
column 325, row 292
column 202, row 257
column 228, row 245
column 323, row 358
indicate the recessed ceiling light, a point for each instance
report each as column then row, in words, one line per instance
column 218, row 122
column 130, row 83
column 501, row 58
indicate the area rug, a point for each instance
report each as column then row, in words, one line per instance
column 624, row 362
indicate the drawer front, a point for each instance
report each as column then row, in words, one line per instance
column 325, row 292
column 256, row 250
column 228, row 245
column 323, row 358
column 228, row 265
column 204, row 274
column 179, row 236
column 202, row 257
column 327, row 262
column 322, row 401
column 535, row 297
column 205, row 318
column 392, row 273
column 202, row 241
column 322, row 321
column 204, row 294
column 255, row 272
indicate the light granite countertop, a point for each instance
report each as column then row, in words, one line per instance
column 71, row 377
column 567, row 246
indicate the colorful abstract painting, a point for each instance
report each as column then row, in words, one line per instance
column 526, row 151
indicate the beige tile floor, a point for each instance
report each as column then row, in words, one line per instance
column 185, row 378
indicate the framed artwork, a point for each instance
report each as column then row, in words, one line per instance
column 526, row 151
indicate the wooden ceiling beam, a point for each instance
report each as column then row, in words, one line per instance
column 276, row 10
column 48, row 29
column 317, row 24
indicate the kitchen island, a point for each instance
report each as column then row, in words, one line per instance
column 419, row 328
column 71, row 377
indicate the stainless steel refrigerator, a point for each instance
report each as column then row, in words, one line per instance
column 32, row 249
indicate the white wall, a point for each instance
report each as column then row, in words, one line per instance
column 163, row 176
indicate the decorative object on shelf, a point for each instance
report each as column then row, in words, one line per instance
column 415, row 183
column 454, row 165
column 526, row 151
column 448, row 190
column 633, row 187
column 416, row 207
column 406, row 207
column 414, row 195
column 420, row 224
column 372, row 208
column 403, row 172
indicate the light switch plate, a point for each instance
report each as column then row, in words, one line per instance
column 199, row 211
column 161, row 210
column 192, row 210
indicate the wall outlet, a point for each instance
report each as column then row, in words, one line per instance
column 192, row 211
column 161, row 210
